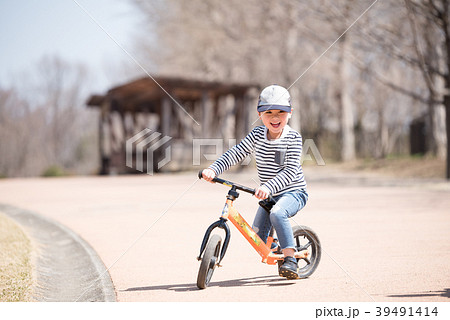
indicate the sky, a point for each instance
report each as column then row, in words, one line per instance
column 31, row 29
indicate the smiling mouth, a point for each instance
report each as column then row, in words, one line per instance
column 276, row 125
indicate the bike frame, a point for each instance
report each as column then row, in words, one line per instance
column 229, row 213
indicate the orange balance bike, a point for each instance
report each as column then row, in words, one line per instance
column 213, row 249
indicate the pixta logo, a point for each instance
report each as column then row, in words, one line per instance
column 144, row 146
column 310, row 152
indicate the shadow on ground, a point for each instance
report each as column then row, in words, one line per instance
column 269, row 281
column 444, row 293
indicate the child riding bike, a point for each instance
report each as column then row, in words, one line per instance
column 277, row 148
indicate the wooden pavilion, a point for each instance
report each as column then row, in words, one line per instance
column 181, row 109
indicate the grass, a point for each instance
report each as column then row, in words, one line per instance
column 54, row 171
column 401, row 166
column 15, row 262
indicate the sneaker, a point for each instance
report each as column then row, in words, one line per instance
column 289, row 268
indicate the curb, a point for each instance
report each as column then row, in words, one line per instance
column 67, row 268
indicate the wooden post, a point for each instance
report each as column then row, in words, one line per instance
column 198, row 113
column 295, row 123
column 207, row 114
column 240, row 118
column 166, row 111
column 117, row 133
column 250, row 103
column 104, row 139
column 185, row 122
column 229, row 118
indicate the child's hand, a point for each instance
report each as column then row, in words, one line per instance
column 208, row 174
column 262, row 193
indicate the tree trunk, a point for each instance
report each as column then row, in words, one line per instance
column 436, row 140
column 445, row 27
column 447, row 123
column 383, row 135
column 346, row 105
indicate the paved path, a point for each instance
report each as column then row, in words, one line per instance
column 383, row 240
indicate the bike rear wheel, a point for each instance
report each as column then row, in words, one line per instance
column 209, row 261
column 306, row 239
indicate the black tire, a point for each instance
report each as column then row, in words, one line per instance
column 306, row 239
column 209, row 261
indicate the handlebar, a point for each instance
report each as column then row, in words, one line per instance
column 232, row 184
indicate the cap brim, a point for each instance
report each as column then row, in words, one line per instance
column 274, row 107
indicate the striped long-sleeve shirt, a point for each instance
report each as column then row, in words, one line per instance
column 278, row 161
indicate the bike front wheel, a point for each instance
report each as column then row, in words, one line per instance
column 209, row 261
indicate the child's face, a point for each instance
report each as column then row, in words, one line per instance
column 274, row 120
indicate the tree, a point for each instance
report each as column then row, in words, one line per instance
column 434, row 60
column 343, row 95
column 43, row 121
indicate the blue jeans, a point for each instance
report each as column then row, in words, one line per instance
column 287, row 206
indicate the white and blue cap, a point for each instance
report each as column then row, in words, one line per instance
column 274, row 97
